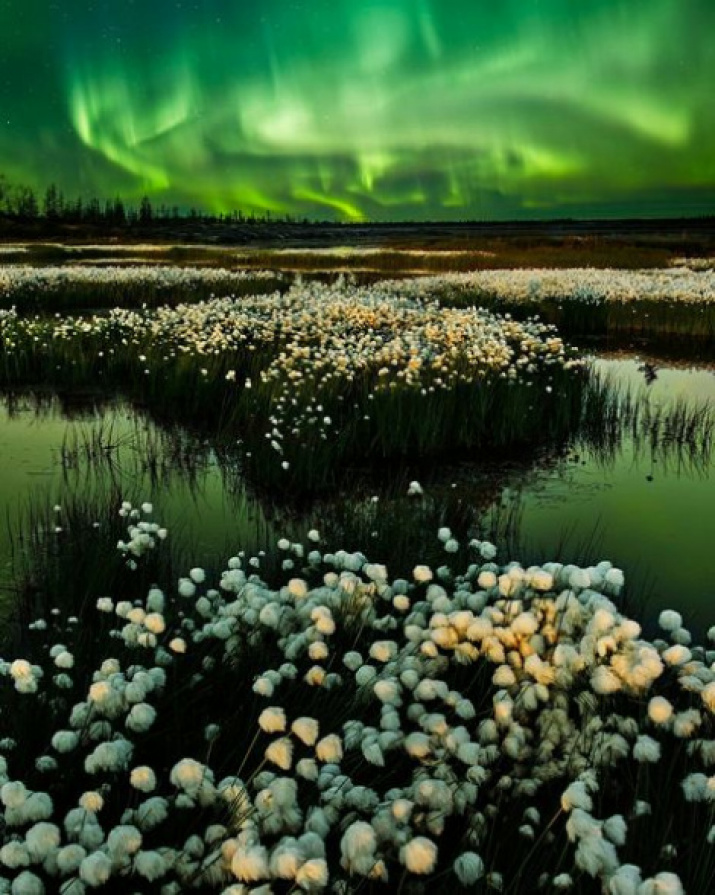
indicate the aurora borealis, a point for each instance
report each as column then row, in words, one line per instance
column 361, row 109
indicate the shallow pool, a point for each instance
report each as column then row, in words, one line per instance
column 650, row 512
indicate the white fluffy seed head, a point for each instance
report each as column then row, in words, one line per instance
column 143, row 778
column 419, row 855
column 670, row 620
column 468, row 868
column 307, row 730
column 329, row 749
column 95, row 869
column 280, row 753
column 92, row 802
column 272, row 720
column 660, row 711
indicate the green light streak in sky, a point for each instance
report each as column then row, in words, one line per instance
column 366, row 109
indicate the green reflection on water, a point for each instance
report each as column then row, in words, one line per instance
column 204, row 512
column 652, row 515
column 655, row 516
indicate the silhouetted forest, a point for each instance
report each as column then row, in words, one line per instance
column 22, row 204
column 27, row 215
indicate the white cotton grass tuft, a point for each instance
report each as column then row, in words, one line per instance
column 388, row 657
column 660, row 710
column 65, row 740
column 576, row 796
column 250, row 865
column 143, row 778
column 306, row 730
column 188, row 775
column 646, row 749
column 280, row 753
column 616, row 829
column 69, row 858
column 141, row 717
column 419, row 855
column 272, row 720
column 307, row 768
column 285, row 860
column 468, row 868
column 96, row 869
column 123, row 840
column 670, row 620
column 707, row 694
column 92, row 802
column 357, row 848
column 27, row 883
column 42, row 839
column 388, row 692
column 197, row 575
column 14, row 794
column 312, row 876
column 605, row 681
column 150, row 865
column 686, row 723
column 664, row 883
column 151, row 813
column 329, row 749
column 626, row 880
column 422, row 574
column 15, row 855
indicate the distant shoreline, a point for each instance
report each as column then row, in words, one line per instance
column 273, row 234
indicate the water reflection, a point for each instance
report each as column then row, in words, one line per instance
column 645, row 503
column 47, row 456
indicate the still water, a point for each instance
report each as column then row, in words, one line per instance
column 652, row 513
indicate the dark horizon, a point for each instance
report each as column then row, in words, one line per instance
column 21, row 205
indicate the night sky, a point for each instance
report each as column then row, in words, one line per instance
column 366, row 109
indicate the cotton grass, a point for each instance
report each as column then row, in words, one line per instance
column 480, row 742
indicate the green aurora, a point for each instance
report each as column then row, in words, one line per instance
column 366, row 109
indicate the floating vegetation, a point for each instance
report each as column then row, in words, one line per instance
column 476, row 724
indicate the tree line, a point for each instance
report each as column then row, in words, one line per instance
column 22, row 204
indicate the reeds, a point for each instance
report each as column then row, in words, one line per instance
column 401, row 425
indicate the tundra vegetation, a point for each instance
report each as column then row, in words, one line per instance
column 337, row 712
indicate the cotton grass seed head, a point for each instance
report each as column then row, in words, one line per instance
column 419, row 855
column 272, row 720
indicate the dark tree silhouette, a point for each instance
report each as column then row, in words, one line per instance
column 146, row 212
